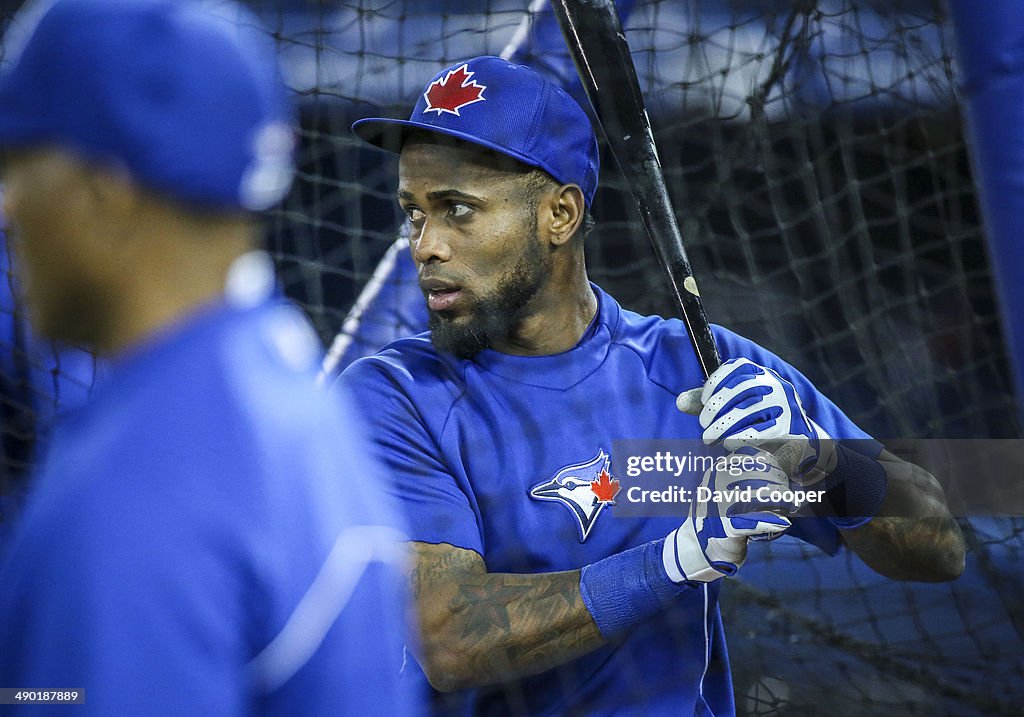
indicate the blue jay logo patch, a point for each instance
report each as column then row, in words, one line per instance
column 584, row 488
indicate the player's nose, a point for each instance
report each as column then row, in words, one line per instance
column 429, row 243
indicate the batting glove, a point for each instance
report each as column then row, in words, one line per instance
column 712, row 542
column 744, row 404
column 626, row 588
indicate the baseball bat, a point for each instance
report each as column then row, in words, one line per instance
column 598, row 48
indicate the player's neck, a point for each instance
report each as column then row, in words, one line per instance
column 174, row 281
column 559, row 316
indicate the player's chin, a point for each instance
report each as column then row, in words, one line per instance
column 450, row 319
column 42, row 310
column 53, row 324
column 461, row 335
column 69, row 314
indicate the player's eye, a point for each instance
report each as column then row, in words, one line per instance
column 459, row 210
column 415, row 214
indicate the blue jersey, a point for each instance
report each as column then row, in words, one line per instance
column 475, row 443
column 206, row 536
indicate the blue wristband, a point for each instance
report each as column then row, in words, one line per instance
column 628, row 587
column 855, row 489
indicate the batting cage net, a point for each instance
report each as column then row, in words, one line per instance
column 815, row 155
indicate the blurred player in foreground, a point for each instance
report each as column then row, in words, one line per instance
column 533, row 597
column 204, row 533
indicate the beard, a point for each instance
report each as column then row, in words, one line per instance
column 495, row 315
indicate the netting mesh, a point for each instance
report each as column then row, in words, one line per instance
column 815, row 156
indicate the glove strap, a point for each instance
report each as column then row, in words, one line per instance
column 624, row 589
column 855, row 489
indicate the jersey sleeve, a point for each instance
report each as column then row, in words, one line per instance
column 438, row 506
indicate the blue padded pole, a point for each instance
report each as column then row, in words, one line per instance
column 990, row 39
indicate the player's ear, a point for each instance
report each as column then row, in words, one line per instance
column 567, row 209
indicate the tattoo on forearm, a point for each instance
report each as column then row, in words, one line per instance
column 503, row 624
column 484, row 607
column 530, row 619
column 426, row 573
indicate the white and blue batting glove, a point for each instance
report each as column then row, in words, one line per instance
column 712, row 542
column 744, row 404
column 626, row 588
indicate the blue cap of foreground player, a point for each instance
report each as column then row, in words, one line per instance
column 188, row 101
column 505, row 107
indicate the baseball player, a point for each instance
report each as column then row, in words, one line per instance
column 533, row 597
column 204, row 535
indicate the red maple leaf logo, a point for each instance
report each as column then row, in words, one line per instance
column 605, row 487
column 453, row 92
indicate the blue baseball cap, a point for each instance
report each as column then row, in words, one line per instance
column 505, row 107
column 188, row 101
